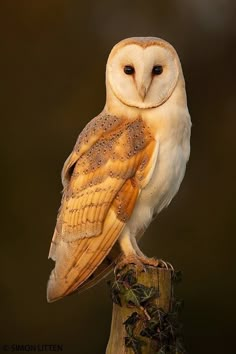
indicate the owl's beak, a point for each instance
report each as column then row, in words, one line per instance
column 142, row 91
column 143, row 87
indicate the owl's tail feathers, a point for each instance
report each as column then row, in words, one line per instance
column 54, row 292
column 103, row 270
column 78, row 260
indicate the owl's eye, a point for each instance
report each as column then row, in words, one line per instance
column 157, row 70
column 128, row 69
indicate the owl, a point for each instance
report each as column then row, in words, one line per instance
column 126, row 166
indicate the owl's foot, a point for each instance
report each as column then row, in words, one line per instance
column 131, row 259
column 155, row 262
column 141, row 262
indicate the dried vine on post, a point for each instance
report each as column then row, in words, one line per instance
column 145, row 313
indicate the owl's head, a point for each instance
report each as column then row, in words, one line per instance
column 142, row 72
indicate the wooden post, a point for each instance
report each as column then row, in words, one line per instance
column 144, row 317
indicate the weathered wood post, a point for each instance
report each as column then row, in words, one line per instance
column 145, row 313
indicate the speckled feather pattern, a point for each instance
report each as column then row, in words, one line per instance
column 104, row 180
column 100, row 172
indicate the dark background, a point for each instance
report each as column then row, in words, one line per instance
column 53, row 56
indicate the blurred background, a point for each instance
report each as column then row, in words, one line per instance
column 53, row 56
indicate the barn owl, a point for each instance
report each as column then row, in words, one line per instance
column 126, row 166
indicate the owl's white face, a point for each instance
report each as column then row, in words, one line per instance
column 144, row 74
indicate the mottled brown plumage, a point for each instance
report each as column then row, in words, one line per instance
column 102, row 179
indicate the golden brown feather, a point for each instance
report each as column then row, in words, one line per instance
column 102, row 179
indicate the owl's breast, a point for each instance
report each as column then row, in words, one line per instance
column 166, row 178
column 165, row 181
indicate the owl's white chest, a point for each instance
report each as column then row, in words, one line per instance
column 165, row 180
column 167, row 176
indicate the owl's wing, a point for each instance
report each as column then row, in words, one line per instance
column 101, row 189
column 106, row 267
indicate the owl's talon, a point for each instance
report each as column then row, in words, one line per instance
column 141, row 262
column 163, row 264
column 167, row 265
column 170, row 266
